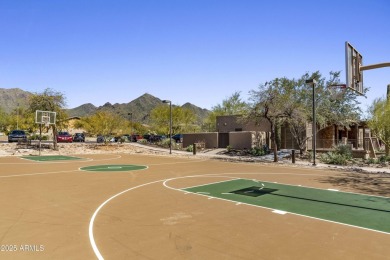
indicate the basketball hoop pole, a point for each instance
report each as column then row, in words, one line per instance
column 375, row 66
column 40, row 137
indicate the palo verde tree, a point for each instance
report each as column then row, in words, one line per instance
column 268, row 102
column 183, row 119
column 50, row 100
column 103, row 123
column 232, row 105
column 379, row 121
column 4, row 120
column 22, row 118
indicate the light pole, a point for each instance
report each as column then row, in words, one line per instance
column 17, row 118
column 313, row 83
column 170, row 124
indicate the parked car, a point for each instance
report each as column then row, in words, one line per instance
column 115, row 139
column 135, row 138
column 64, row 137
column 153, row 138
column 100, row 139
column 78, row 137
column 158, row 138
column 178, row 138
column 17, row 135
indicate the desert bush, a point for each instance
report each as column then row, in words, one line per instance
column 165, row 143
column 344, row 150
column 372, row 161
column 190, row 148
column 36, row 137
column 383, row 159
column 257, row 151
column 142, row 141
column 341, row 155
column 334, row 158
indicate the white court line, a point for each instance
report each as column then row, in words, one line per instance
column 31, row 162
column 34, row 174
column 281, row 212
column 90, row 228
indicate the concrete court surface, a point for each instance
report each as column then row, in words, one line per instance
column 53, row 210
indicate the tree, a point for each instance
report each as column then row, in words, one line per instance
column 183, row 119
column 334, row 106
column 103, row 123
column 232, row 105
column 50, row 100
column 379, row 122
column 22, row 118
column 4, row 120
column 269, row 102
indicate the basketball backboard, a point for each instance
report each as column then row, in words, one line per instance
column 45, row 117
column 353, row 64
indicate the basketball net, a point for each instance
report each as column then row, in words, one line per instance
column 46, row 121
column 337, row 91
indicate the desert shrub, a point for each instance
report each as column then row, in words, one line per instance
column 228, row 148
column 334, row 158
column 383, row 159
column 372, row 161
column 190, row 148
column 344, row 150
column 340, row 156
column 36, row 137
column 165, row 143
column 142, row 141
column 257, row 151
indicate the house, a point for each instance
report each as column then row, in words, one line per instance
column 233, row 131
column 238, row 133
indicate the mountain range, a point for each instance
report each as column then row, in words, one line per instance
column 137, row 110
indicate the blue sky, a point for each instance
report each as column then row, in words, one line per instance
column 194, row 51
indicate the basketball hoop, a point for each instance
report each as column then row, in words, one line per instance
column 337, row 91
column 45, row 121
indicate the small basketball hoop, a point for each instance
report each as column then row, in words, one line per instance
column 337, row 91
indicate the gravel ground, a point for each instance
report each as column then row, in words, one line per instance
column 13, row 149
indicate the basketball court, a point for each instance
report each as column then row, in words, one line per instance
column 134, row 206
column 121, row 206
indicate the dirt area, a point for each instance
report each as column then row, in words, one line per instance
column 13, row 149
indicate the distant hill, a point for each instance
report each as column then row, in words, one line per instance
column 83, row 110
column 140, row 107
column 200, row 112
column 11, row 98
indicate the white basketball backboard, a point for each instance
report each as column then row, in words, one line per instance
column 353, row 64
column 45, row 117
